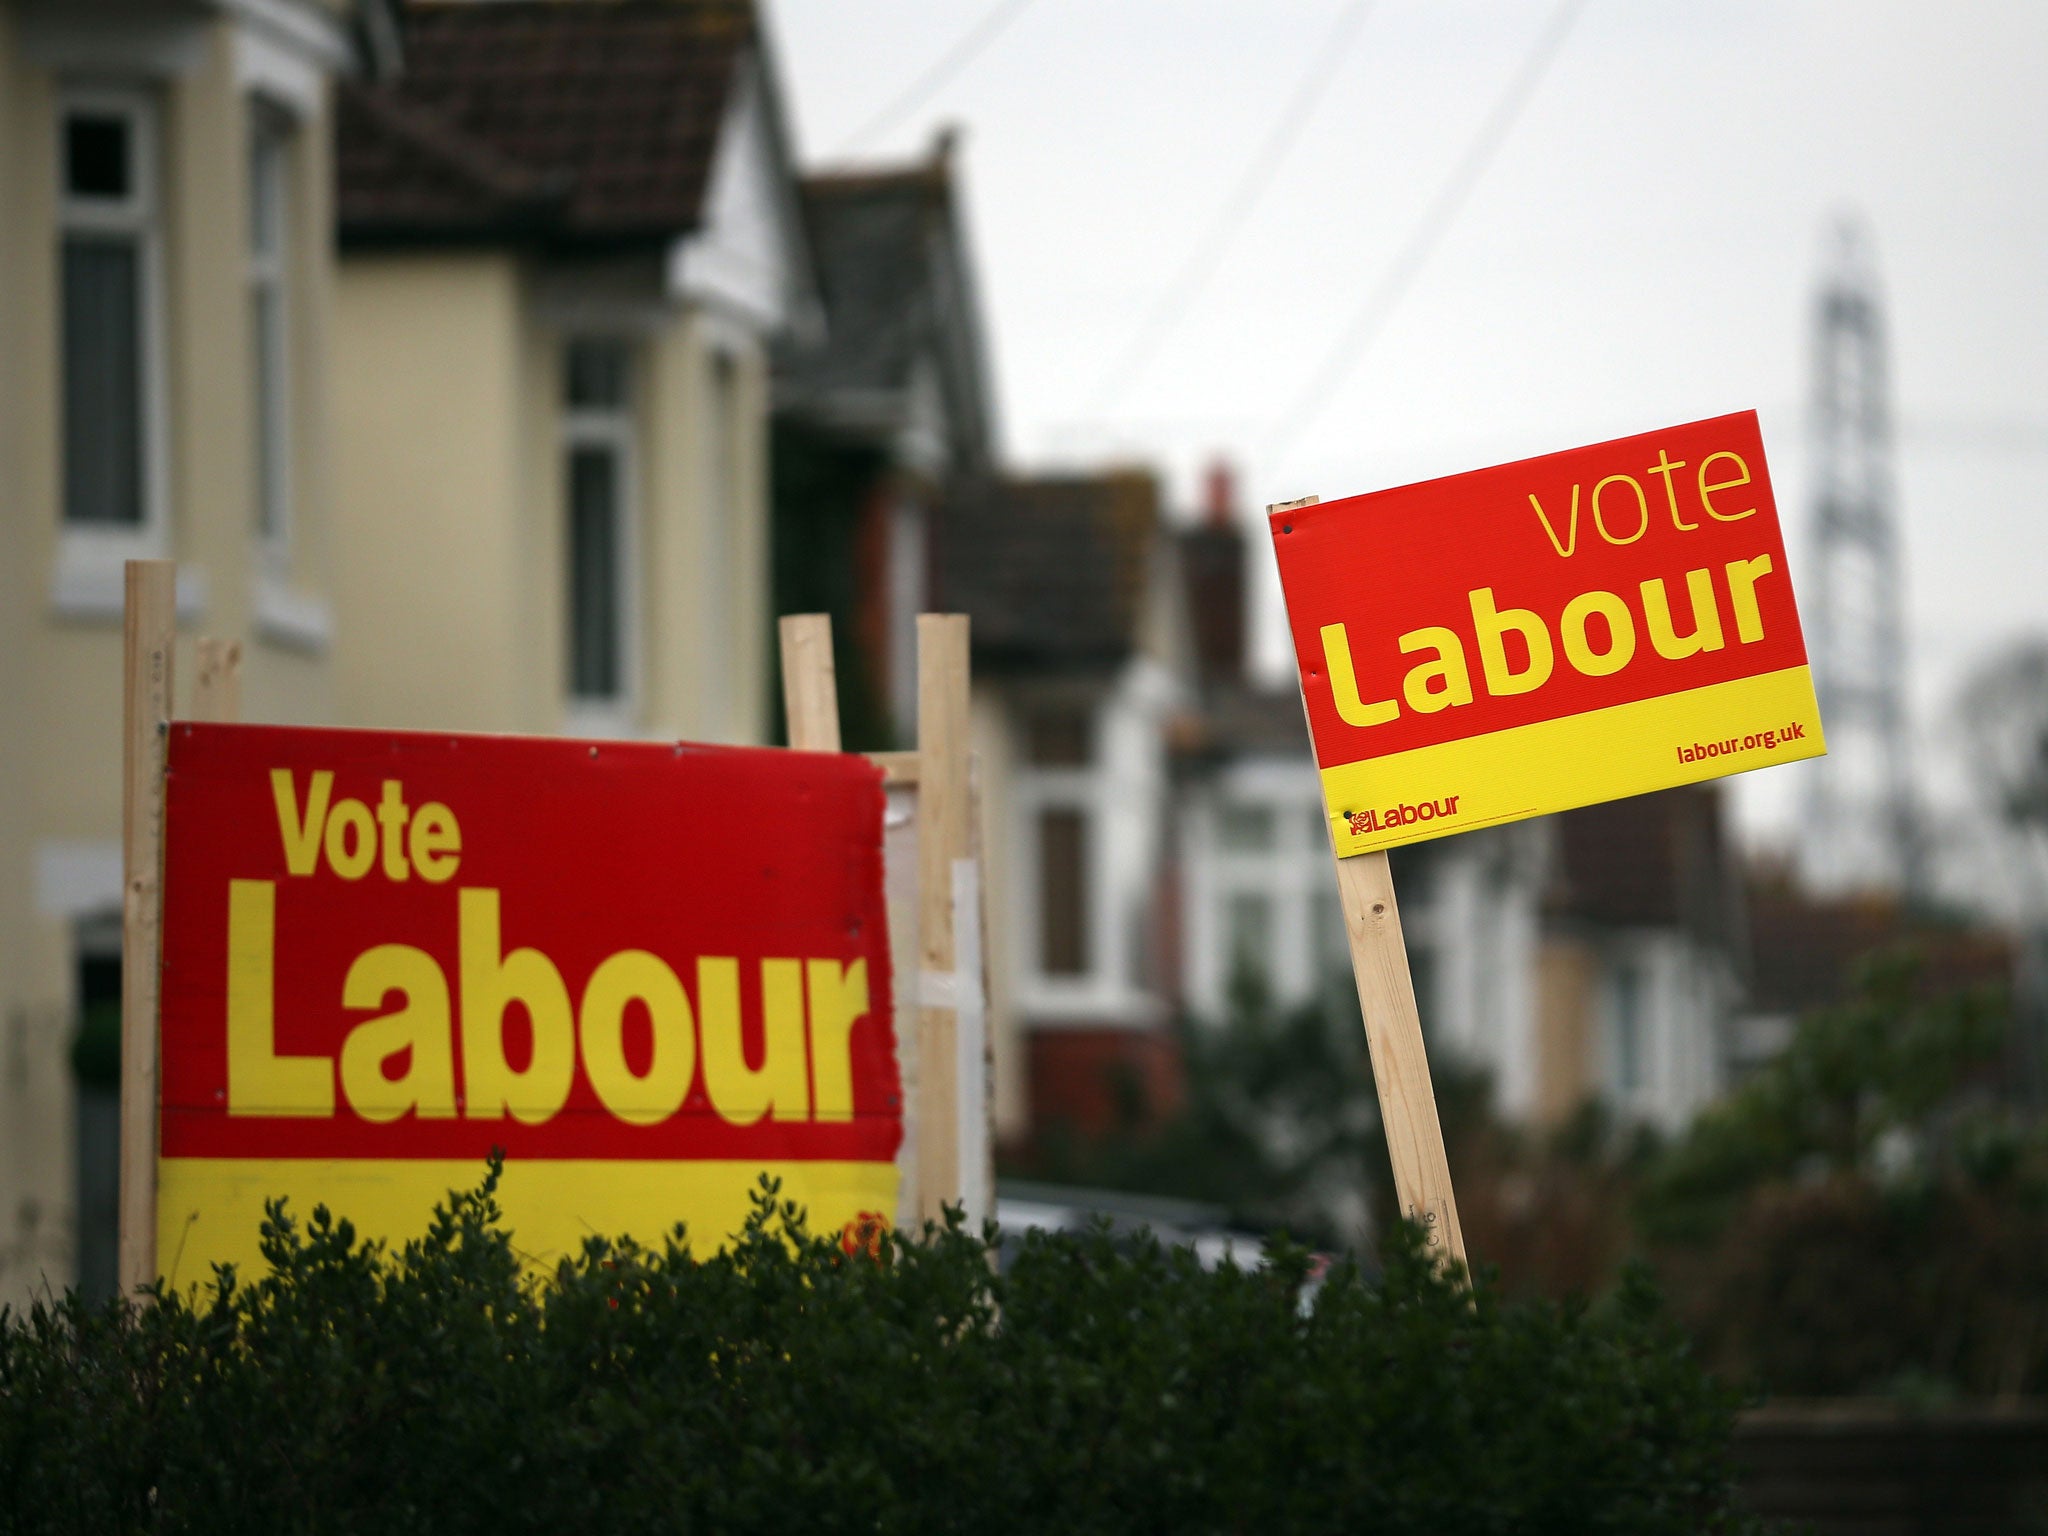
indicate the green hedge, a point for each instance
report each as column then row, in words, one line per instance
column 789, row 1384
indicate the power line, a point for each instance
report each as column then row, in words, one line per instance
column 933, row 80
column 1365, row 324
column 1228, row 223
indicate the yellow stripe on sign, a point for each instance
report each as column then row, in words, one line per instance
column 210, row 1209
column 1553, row 765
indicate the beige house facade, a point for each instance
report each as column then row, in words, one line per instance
column 166, row 326
column 448, row 396
column 557, row 297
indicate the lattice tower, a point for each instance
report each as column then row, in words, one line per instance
column 1858, row 830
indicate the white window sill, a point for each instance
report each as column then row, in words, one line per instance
column 90, row 585
column 600, row 720
column 1052, row 1006
column 291, row 619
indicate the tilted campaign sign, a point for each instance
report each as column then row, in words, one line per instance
column 1546, row 634
column 648, row 972
column 1523, row 639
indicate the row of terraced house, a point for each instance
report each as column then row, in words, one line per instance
column 493, row 367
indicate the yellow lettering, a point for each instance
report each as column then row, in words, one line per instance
column 1449, row 666
column 1571, row 543
column 1706, row 617
column 1621, row 633
column 261, row 1082
column 839, row 1000
column 1706, row 490
column 351, row 856
column 301, row 834
column 1642, row 509
column 740, row 1093
column 1664, row 467
column 634, row 975
column 1491, row 625
column 1743, row 575
column 1344, row 683
column 420, row 1030
column 492, row 982
column 435, row 842
column 391, row 814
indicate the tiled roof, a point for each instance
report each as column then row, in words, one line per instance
column 872, row 236
column 578, row 120
column 897, row 287
column 1212, row 560
column 1657, row 860
column 1050, row 570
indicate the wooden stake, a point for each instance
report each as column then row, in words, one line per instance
column 810, row 687
column 149, row 631
column 942, row 839
column 217, row 683
column 1393, row 1038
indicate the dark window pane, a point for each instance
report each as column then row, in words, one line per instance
column 1628, row 1029
column 102, row 367
column 596, row 375
column 1062, row 892
column 1245, row 828
column 269, row 139
column 594, row 597
column 1060, row 737
column 267, row 328
column 96, row 155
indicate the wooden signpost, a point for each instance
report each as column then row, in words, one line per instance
column 1393, row 1039
column 1519, row 640
column 950, row 1134
column 301, row 1018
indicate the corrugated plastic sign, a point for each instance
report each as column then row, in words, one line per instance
column 649, row 972
column 1545, row 634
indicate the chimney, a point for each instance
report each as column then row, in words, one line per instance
column 1213, row 556
column 1219, row 496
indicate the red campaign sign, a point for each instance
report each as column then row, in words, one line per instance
column 399, row 946
column 1518, row 640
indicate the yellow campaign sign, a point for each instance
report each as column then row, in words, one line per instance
column 1546, row 634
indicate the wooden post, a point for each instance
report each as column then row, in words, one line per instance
column 810, row 686
column 217, row 679
column 942, row 840
column 1393, row 1038
column 150, row 618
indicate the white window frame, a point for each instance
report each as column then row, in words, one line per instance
column 88, row 576
column 272, row 126
column 1635, row 1101
column 719, row 576
column 1100, row 992
column 1292, row 876
column 614, row 429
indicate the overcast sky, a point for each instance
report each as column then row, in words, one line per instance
column 1640, row 247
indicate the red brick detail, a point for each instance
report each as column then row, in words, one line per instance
column 1099, row 1081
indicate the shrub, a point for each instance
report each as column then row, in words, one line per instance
column 802, row 1382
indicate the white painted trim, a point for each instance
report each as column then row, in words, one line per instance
column 739, row 257
column 78, row 877
column 290, row 76
column 68, row 38
column 88, row 583
column 306, row 30
column 291, row 618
